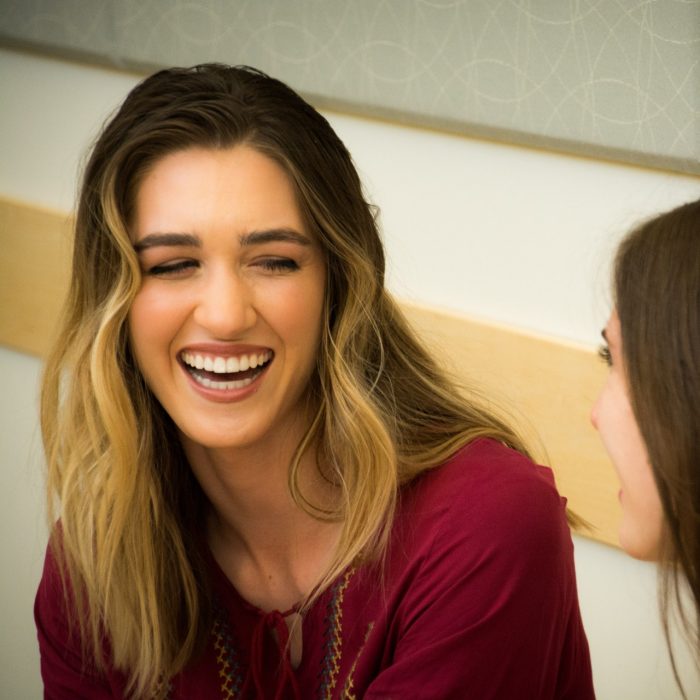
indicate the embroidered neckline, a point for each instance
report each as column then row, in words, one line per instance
column 333, row 634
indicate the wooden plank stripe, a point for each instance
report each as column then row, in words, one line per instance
column 552, row 383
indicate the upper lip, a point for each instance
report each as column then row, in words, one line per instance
column 222, row 350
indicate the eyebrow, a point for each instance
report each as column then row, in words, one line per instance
column 287, row 235
column 155, row 240
column 605, row 335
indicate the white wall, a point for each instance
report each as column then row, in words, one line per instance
column 509, row 234
column 22, row 526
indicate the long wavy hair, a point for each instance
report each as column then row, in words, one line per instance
column 656, row 283
column 130, row 539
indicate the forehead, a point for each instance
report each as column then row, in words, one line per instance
column 239, row 187
column 234, row 164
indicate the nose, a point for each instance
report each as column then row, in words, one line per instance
column 594, row 413
column 225, row 307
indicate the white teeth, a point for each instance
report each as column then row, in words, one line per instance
column 226, row 365
column 234, row 384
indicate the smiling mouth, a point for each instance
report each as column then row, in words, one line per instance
column 225, row 373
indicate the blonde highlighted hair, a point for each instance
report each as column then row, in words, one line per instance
column 130, row 510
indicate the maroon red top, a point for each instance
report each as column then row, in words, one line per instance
column 478, row 600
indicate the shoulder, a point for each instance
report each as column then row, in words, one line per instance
column 55, row 609
column 486, row 462
column 52, row 593
column 481, row 567
column 68, row 667
column 488, row 498
column 485, row 476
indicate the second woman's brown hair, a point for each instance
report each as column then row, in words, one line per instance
column 657, row 296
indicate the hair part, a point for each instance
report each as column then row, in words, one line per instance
column 657, row 296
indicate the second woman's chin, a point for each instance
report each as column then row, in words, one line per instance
column 640, row 537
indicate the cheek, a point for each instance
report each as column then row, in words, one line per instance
column 140, row 321
column 641, row 524
column 615, row 422
column 642, row 517
column 152, row 321
column 603, row 413
column 299, row 313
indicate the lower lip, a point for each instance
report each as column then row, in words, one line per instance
column 227, row 395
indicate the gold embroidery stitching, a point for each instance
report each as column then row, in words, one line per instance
column 228, row 669
column 349, row 682
column 335, row 619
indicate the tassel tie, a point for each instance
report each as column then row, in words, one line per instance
column 273, row 621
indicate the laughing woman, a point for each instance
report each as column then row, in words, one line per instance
column 265, row 486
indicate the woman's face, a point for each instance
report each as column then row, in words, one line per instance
column 642, row 513
column 226, row 325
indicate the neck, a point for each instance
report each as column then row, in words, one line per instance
column 271, row 549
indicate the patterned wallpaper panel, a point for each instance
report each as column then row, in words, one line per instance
column 618, row 78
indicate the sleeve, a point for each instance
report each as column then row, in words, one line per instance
column 65, row 672
column 492, row 610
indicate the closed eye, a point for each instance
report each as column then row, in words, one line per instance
column 279, row 264
column 604, row 354
column 172, row 269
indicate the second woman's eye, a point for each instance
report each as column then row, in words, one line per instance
column 279, row 264
column 171, row 268
column 604, row 354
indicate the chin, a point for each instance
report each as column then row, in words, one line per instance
column 223, row 442
column 220, row 438
column 639, row 546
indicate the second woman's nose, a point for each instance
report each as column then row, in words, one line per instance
column 594, row 413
